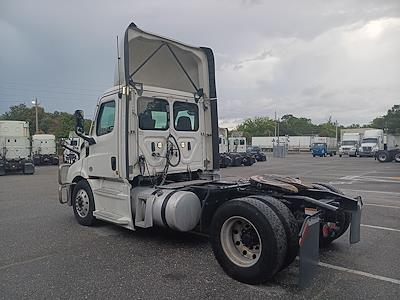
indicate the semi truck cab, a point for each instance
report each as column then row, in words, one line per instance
column 371, row 142
column 151, row 159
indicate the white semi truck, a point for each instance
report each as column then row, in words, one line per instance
column 224, row 158
column 350, row 144
column 391, row 149
column 15, row 148
column 372, row 142
column 151, row 159
column 72, row 146
column 237, row 149
column 44, row 149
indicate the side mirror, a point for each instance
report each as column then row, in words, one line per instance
column 80, row 127
column 79, row 121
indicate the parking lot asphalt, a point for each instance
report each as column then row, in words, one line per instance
column 45, row 253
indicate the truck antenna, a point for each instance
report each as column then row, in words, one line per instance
column 119, row 74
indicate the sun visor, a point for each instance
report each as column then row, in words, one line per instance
column 160, row 62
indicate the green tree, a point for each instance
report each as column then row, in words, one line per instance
column 259, row 126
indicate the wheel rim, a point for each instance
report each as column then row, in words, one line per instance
column 240, row 241
column 397, row 157
column 382, row 157
column 82, row 203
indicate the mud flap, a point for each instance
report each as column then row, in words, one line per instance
column 309, row 249
column 356, row 223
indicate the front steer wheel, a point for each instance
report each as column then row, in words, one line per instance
column 83, row 203
column 248, row 240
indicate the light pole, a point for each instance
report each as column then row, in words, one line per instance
column 37, row 118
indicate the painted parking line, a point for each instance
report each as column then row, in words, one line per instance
column 365, row 274
column 380, row 205
column 375, row 192
column 380, row 227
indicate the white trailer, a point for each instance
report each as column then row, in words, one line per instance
column 151, row 159
column 267, row 143
column 15, row 147
column 299, row 143
column 44, row 149
column 350, row 144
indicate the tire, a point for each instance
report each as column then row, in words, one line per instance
column 344, row 218
column 313, row 155
column 340, row 155
column 247, row 161
column 265, row 228
column 290, row 225
column 83, row 206
column 397, row 157
column 382, row 156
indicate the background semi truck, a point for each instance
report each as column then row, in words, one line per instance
column 151, row 160
column 372, row 142
column 350, row 144
column 323, row 146
column 391, row 149
column 237, row 149
column 15, row 148
column 44, row 149
column 72, row 146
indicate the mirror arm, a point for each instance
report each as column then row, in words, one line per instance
column 88, row 139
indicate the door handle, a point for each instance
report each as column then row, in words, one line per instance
column 113, row 163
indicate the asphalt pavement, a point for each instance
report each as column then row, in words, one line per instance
column 45, row 253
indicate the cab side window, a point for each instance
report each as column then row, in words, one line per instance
column 106, row 118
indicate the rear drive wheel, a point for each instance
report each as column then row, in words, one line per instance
column 248, row 240
column 83, row 203
column 290, row 225
column 397, row 157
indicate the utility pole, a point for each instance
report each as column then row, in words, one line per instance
column 37, row 117
column 336, row 123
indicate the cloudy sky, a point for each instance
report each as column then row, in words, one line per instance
column 309, row 58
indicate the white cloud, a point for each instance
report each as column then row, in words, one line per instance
column 310, row 58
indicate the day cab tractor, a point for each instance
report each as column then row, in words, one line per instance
column 151, row 160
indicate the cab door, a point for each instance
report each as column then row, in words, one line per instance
column 153, row 131
column 102, row 159
column 189, row 132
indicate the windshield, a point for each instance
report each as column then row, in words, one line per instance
column 319, row 145
column 349, row 143
column 370, row 140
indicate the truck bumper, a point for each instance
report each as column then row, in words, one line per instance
column 369, row 154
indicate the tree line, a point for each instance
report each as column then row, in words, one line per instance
column 293, row 126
